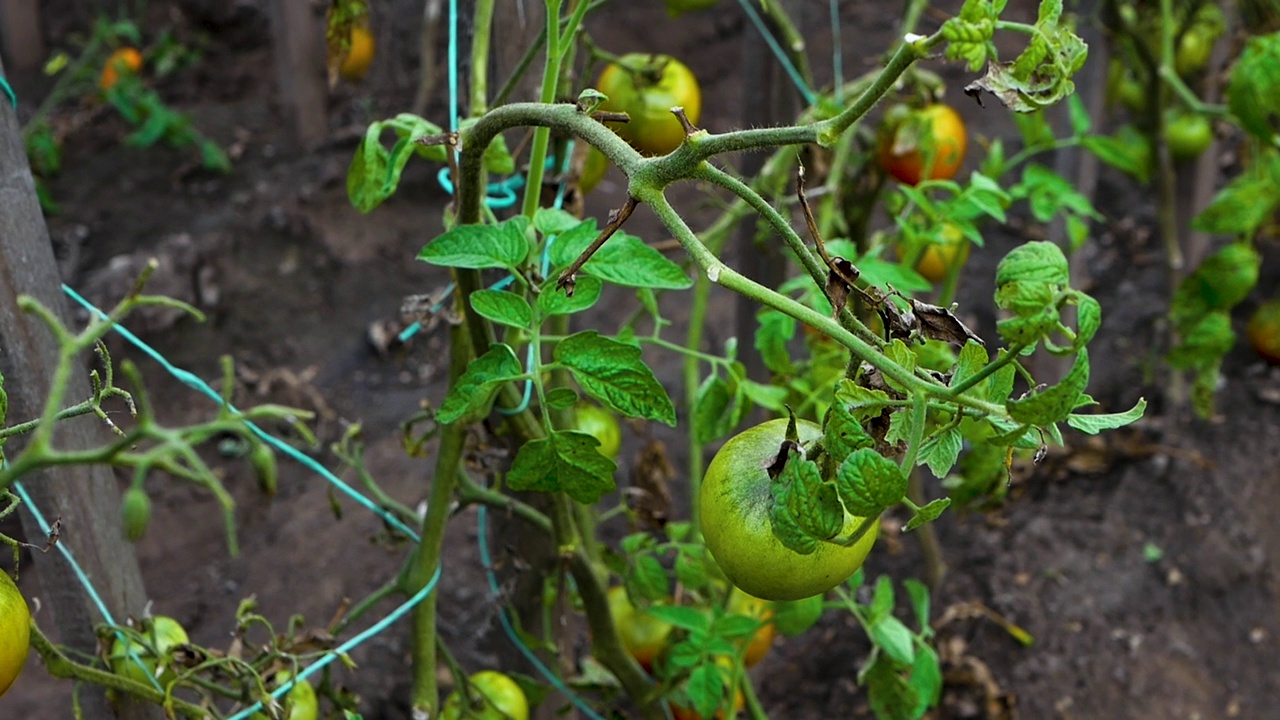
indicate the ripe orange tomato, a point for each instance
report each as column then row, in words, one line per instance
column 646, row 89
column 933, row 137
column 938, row 258
column 125, row 61
column 360, row 56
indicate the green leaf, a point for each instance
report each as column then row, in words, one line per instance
column 1128, row 151
column 1038, row 261
column 688, row 618
column 551, row 221
column 472, row 395
column 1081, row 123
column 480, row 246
column 889, row 634
column 800, row 491
column 646, row 579
column 862, row 402
column 624, row 260
column 890, row 695
column 868, row 483
column 374, row 173
column 613, row 373
column 925, row 679
column 553, row 301
column 973, row 357
column 691, row 569
column 1094, row 424
column 1204, row 343
column 773, row 331
column 502, row 307
column 716, row 410
column 939, row 451
column 706, row 688
column 1056, row 402
column 882, row 598
column 1246, row 203
column 898, row 352
column 1254, row 85
column 918, row 592
column 1088, row 319
column 843, row 433
column 770, row 397
column 785, row 526
column 566, row 461
column 927, row 513
column 561, row 397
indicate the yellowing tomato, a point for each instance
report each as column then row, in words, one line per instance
column 643, row 635
column 646, row 87
column 761, row 642
column 1264, row 332
column 932, row 139
column 15, row 632
column 125, row 61
column 360, row 56
column 938, row 258
column 603, row 426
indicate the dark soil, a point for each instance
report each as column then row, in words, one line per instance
column 293, row 278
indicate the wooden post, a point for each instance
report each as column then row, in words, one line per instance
column 86, row 498
column 20, row 34
column 297, row 43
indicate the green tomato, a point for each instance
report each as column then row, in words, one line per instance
column 495, row 697
column 300, row 703
column 646, row 87
column 603, row 426
column 163, row 635
column 1188, row 135
column 735, row 501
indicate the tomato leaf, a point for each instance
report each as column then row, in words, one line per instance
column 898, row 352
column 940, row 450
column 552, row 221
column 706, row 688
column 843, row 433
column 565, row 461
column 586, row 292
column 784, row 524
column 890, row 695
column 646, row 578
column 624, row 260
column 925, row 678
column 918, row 592
column 717, row 410
column 1247, row 202
column 812, row 502
column 927, row 513
column 1056, row 402
column 773, row 331
column 502, row 307
column 613, row 373
column 890, row 635
column 471, row 396
column 561, row 397
column 1094, row 424
column 682, row 616
column 868, row 483
column 691, row 569
column 1128, row 151
column 480, row 246
column 1255, row 79
column 1037, row 261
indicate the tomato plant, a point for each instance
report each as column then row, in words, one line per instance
column 489, row 695
column 147, row 656
column 761, row 641
column 928, row 143
column 646, row 87
column 300, row 702
column 15, row 632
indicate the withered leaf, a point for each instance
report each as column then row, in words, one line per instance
column 939, row 323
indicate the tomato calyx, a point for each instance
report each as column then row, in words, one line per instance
column 786, row 450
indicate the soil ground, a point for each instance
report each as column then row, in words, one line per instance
column 292, row 278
